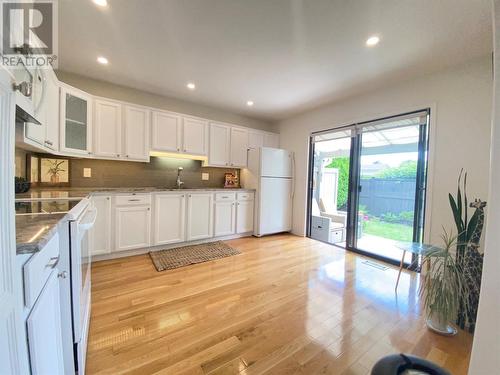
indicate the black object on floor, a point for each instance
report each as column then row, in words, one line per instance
column 396, row 364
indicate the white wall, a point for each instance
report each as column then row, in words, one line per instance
column 127, row 94
column 485, row 357
column 460, row 101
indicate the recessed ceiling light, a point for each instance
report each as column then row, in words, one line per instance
column 191, row 86
column 101, row 3
column 102, row 60
column 372, row 41
column 250, row 103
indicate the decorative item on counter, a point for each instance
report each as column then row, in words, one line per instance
column 21, row 185
column 231, row 180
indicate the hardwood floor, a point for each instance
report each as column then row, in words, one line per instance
column 286, row 305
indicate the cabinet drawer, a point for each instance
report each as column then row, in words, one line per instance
column 225, row 197
column 38, row 268
column 245, row 196
column 133, row 199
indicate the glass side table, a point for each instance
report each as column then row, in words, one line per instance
column 414, row 248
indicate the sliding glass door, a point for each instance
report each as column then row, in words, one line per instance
column 368, row 185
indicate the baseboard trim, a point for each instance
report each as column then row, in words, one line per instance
column 129, row 253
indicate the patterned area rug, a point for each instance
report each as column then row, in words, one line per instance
column 184, row 256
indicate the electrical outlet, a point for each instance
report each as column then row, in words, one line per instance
column 87, row 172
column 205, row 176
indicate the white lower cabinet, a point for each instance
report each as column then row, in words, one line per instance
column 132, row 227
column 44, row 330
column 100, row 234
column 142, row 220
column 199, row 216
column 169, row 218
column 224, row 218
column 244, row 216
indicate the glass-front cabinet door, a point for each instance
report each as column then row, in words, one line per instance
column 76, row 121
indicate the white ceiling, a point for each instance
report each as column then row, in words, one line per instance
column 285, row 55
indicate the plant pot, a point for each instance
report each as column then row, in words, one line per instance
column 438, row 325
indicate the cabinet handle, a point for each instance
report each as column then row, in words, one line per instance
column 126, row 156
column 107, row 198
column 134, row 200
column 89, row 153
column 149, row 209
column 178, row 149
column 62, row 275
column 53, row 262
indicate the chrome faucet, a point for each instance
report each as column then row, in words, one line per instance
column 179, row 183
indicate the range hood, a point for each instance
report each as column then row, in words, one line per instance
column 23, row 116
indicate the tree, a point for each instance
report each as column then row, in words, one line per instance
column 407, row 169
column 342, row 164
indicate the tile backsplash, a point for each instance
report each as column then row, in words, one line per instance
column 159, row 172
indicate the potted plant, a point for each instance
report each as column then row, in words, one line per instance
column 443, row 286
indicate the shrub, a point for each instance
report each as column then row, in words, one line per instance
column 342, row 164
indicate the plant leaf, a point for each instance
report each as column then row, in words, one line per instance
column 456, row 214
column 474, row 220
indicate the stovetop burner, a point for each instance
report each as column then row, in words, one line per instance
column 45, row 206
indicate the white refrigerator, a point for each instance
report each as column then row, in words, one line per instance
column 270, row 172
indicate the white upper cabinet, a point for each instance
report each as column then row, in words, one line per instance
column 195, row 133
column 239, row 147
column 166, row 134
column 107, row 128
column 75, row 122
column 52, row 114
column 220, row 138
column 47, row 112
column 136, row 133
column 271, row 140
column 255, row 139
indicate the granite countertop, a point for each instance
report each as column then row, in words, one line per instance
column 76, row 193
column 34, row 231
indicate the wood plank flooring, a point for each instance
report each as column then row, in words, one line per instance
column 286, row 305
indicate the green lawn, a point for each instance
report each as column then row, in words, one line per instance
column 392, row 231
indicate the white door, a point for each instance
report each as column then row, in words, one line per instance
column 166, row 132
column 225, row 218
column 44, row 331
column 136, row 127
column 275, row 205
column 244, row 216
column 11, row 359
column 132, row 227
column 169, row 218
column 255, row 139
column 276, row 162
column 271, row 140
column 220, row 139
column 194, row 136
column 107, row 129
column 75, row 121
column 52, row 115
column 199, row 216
column 239, row 147
column 100, row 234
